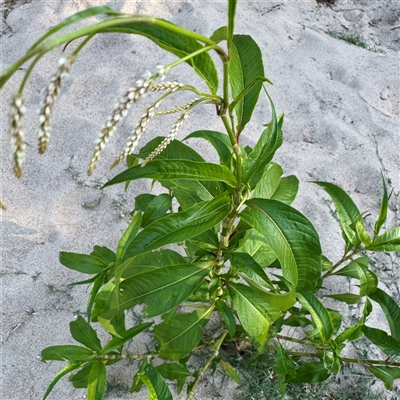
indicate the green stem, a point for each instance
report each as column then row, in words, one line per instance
column 28, row 72
column 214, row 354
column 81, row 45
column 341, row 261
column 126, row 356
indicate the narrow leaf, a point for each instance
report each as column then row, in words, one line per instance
column 173, row 371
column 83, row 333
column 230, row 371
column 64, row 371
column 388, row 344
column 386, row 374
column 312, row 372
column 158, row 389
column 388, row 241
column 383, row 209
column 97, row 381
column 84, row 263
column 157, row 208
column 69, row 353
column 129, row 235
column 227, row 314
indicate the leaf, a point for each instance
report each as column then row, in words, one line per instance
column 255, row 314
column 179, row 334
column 291, row 236
column 129, row 235
column 118, row 342
column 363, row 234
column 388, row 344
column 97, row 381
column 220, row 142
column 98, row 283
column 347, row 211
column 283, row 367
column 388, row 241
column 176, row 169
column 83, row 333
column 157, row 208
column 103, row 300
column 246, row 65
column 143, row 200
column 230, row 371
column 312, row 372
column 227, row 314
column 177, row 227
column 348, row 298
column 80, row 380
column 386, row 374
column 179, row 44
column 220, row 34
column 231, row 19
column 173, row 371
column 391, row 310
column 84, row 263
column 383, row 209
column 159, row 289
column 69, row 353
column 104, row 253
column 64, row 371
column 264, row 150
column 352, row 269
column 319, row 313
column 158, row 389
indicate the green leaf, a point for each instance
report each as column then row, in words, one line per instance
column 246, row 65
column 348, row 298
column 352, row 269
column 362, row 233
column 227, row 314
column 291, row 236
column 220, row 34
column 312, row 372
column 386, row 374
column 264, row 150
column 158, row 207
column 383, row 209
column 117, row 342
column 177, row 169
column 220, row 142
column 98, row 283
column 103, row 300
column 97, row 381
column 104, row 253
column 69, row 353
column 245, row 263
column 143, row 200
column 64, row 371
column 391, row 310
column 177, row 227
column 80, row 380
column 284, row 366
column 388, row 344
column 179, row 44
column 83, row 333
column 179, row 334
column 84, row 263
column 230, row 371
column 158, row 389
column 159, row 289
column 319, row 313
column 347, row 211
column 388, row 241
column 255, row 314
column 129, row 235
column 173, row 371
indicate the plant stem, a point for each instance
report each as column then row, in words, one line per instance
column 127, row 356
column 341, row 261
column 214, row 354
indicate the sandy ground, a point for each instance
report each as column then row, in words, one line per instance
column 341, row 105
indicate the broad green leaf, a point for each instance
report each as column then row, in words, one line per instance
column 177, row 169
column 80, row 380
column 352, row 269
column 388, row 241
column 158, row 389
column 291, row 236
column 103, row 300
column 104, row 253
column 69, row 353
column 391, row 310
column 117, row 342
column 246, row 65
column 287, row 190
column 368, row 280
column 230, row 371
column 383, row 209
column 97, row 381
column 207, row 240
column 246, row 264
column 388, row 344
column 177, row 227
column 231, row 19
column 143, row 200
column 319, row 313
column 220, row 34
column 186, row 198
column 111, row 325
column 129, row 235
column 158, row 207
column 64, row 371
column 173, row 371
column 227, row 314
column 284, row 366
column 347, row 211
column 179, row 44
column 159, row 289
column 83, row 333
column 84, row 263
column 385, row 374
column 220, row 142
column 363, row 234
column 312, row 372
column 255, row 314
column 264, row 150
column 179, row 334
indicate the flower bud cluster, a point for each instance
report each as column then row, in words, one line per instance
column 171, row 135
column 52, row 91
column 184, row 107
column 16, row 112
column 141, row 87
column 171, row 86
